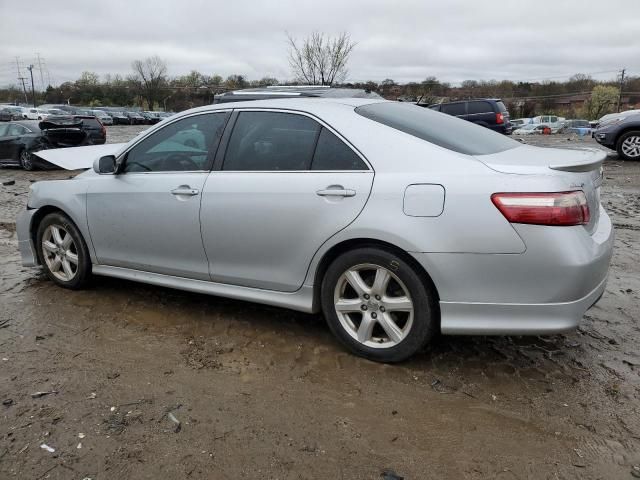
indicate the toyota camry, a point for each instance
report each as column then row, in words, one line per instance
column 396, row 222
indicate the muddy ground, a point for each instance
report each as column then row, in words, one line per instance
column 267, row 393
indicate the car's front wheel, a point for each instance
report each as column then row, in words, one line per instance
column 26, row 160
column 628, row 145
column 63, row 252
column 377, row 305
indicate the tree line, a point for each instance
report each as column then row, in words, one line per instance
column 322, row 60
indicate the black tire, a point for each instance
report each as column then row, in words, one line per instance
column 83, row 270
column 425, row 311
column 26, row 160
column 621, row 140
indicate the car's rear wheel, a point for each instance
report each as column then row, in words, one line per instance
column 26, row 160
column 63, row 252
column 377, row 305
column 628, row 145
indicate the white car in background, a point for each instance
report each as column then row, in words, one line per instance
column 103, row 116
column 29, row 113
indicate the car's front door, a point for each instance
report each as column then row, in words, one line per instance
column 287, row 184
column 146, row 217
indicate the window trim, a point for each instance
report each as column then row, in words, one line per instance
column 122, row 158
column 224, row 142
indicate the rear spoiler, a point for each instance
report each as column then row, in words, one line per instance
column 593, row 162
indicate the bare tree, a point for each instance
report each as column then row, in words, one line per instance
column 150, row 75
column 319, row 59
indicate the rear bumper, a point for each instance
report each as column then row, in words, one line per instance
column 25, row 244
column 516, row 318
column 544, row 290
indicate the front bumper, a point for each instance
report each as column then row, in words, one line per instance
column 547, row 289
column 606, row 139
column 25, row 243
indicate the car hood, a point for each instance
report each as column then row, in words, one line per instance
column 78, row 158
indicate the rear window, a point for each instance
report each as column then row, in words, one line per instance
column 501, row 107
column 442, row 130
column 90, row 122
column 479, row 107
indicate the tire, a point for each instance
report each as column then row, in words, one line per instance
column 628, row 145
column 395, row 328
column 26, row 160
column 59, row 252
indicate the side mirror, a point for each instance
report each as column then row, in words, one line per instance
column 105, row 165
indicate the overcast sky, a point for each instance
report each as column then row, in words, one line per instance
column 402, row 40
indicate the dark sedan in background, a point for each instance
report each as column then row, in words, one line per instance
column 19, row 139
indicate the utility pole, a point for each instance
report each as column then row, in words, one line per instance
column 33, row 88
column 24, row 89
column 621, row 86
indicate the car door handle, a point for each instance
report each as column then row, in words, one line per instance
column 185, row 190
column 336, row 192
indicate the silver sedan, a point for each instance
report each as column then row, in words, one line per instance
column 395, row 221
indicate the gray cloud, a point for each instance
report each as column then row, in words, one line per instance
column 405, row 41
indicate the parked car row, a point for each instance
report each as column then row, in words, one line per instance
column 106, row 116
column 8, row 113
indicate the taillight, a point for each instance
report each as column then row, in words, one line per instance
column 499, row 118
column 561, row 208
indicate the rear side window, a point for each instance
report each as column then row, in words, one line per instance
column 16, row 130
column 479, row 107
column 442, row 130
column 453, row 109
column 266, row 141
column 333, row 154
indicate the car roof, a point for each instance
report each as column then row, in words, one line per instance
column 309, row 105
column 293, row 91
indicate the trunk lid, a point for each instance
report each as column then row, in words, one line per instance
column 577, row 169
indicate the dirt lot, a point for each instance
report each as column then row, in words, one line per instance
column 267, row 393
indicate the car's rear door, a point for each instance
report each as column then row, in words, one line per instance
column 147, row 217
column 286, row 184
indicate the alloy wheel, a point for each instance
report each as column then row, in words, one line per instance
column 373, row 306
column 25, row 160
column 631, row 147
column 60, row 252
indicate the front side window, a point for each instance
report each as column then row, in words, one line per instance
column 186, row 145
column 333, row 154
column 268, row 141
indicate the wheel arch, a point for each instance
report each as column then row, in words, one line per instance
column 630, row 128
column 43, row 212
column 351, row 244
